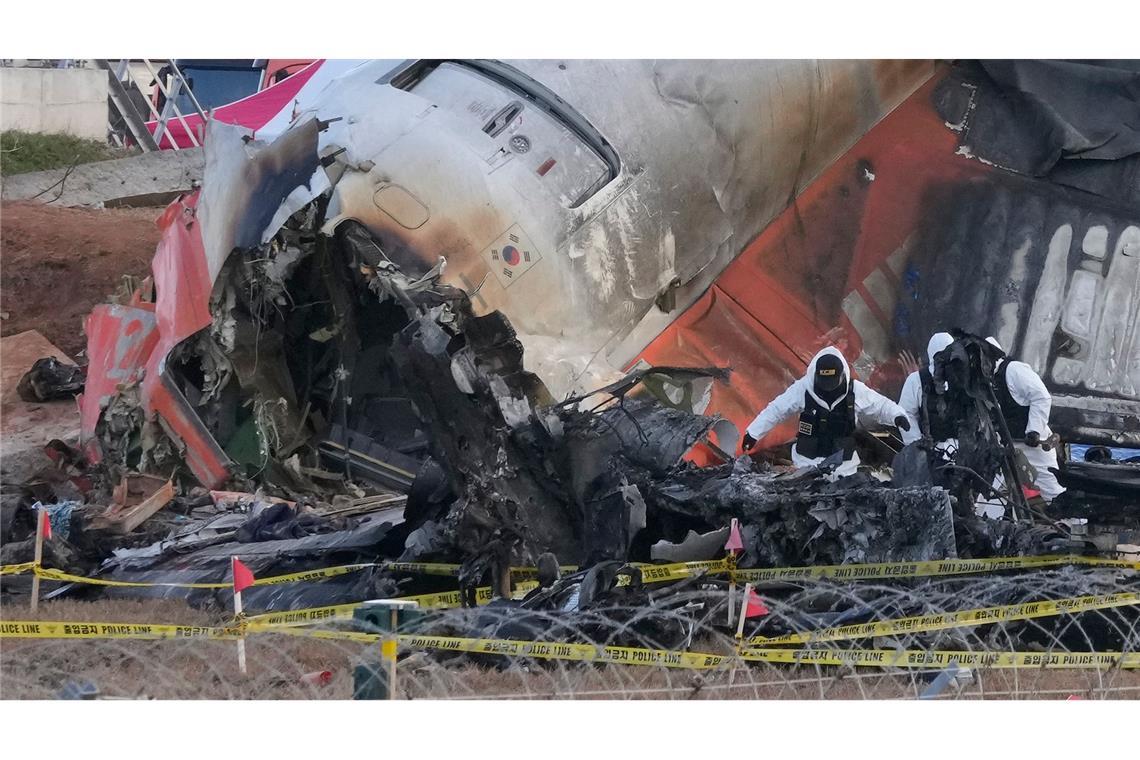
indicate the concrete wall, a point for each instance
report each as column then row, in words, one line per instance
column 150, row 179
column 54, row 100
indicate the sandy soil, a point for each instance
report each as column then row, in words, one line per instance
column 56, row 263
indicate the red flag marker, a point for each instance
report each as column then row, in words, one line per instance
column 243, row 576
column 47, row 523
column 734, row 543
column 755, row 606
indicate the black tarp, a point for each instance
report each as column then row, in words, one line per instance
column 1076, row 123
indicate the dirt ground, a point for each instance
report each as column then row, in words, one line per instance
column 56, row 263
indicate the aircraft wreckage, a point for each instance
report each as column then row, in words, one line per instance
column 334, row 361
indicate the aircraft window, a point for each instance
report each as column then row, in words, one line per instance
column 523, row 121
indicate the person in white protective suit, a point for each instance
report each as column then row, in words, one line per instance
column 1025, row 403
column 916, row 392
column 830, row 405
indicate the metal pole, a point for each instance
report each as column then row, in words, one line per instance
column 740, row 632
column 731, row 560
column 167, row 107
column 197, row 106
column 388, row 647
column 146, row 95
column 177, row 110
column 123, row 104
column 1015, row 492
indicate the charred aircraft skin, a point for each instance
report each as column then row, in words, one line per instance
column 920, row 228
column 613, row 215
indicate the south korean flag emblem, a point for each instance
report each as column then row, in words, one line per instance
column 511, row 256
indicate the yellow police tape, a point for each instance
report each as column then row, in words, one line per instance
column 307, row 616
column 441, row 600
column 598, row 653
column 50, row 574
column 650, row 573
column 880, row 658
column 31, row 629
column 915, row 624
column 920, row 658
column 441, row 568
column 438, row 601
column 918, row 569
column 303, row 575
column 960, row 619
column 419, row 568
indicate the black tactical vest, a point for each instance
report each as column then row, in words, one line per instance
column 933, row 410
column 1016, row 415
column 825, row 431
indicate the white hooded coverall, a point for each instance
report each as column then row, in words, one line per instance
column 1027, row 389
column 910, row 399
column 869, row 406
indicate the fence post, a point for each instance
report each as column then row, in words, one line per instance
column 388, row 650
column 385, row 615
column 730, row 560
column 241, row 640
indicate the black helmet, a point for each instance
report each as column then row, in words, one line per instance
column 829, row 374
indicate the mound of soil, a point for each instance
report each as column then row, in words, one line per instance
column 56, row 263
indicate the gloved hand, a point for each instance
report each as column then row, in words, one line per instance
column 748, row 442
column 1032, row 438
column 902, row 423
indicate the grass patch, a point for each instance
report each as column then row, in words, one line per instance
column 22, row 152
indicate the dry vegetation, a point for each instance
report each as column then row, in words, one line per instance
column 165, row 669
column 201, row 669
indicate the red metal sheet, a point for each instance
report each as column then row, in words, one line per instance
column 784, row 297
column 120, row 340
column 130, row 343
column 181, row 276
column 182, row 308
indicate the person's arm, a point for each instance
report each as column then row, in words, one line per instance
column 910, row 400
column 870, row 404
column 1028, row 389
column 790, row 402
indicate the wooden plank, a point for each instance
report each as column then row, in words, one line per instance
column 125, row 519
